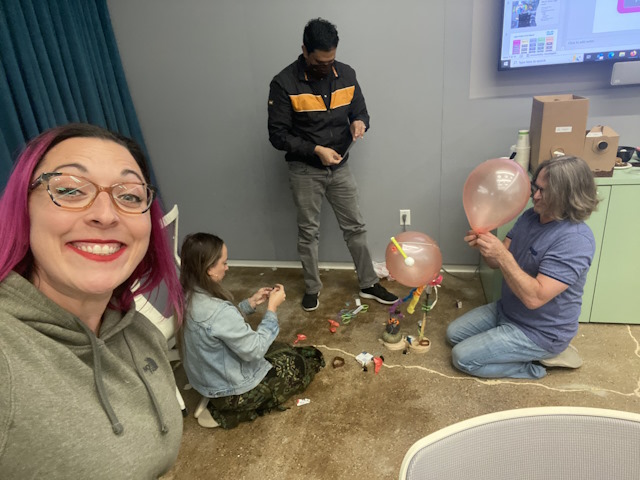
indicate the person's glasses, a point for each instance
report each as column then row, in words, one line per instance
column 535, row 188
column 73, row 192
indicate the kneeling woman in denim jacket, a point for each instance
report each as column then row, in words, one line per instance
column 243, row 372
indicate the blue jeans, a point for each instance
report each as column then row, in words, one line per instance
column 487, row 345
column 309, row 185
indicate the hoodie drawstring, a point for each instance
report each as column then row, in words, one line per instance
column 97, row 376
column 163, row 426
column 102, row 392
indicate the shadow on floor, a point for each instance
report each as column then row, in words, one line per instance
column 360, row 424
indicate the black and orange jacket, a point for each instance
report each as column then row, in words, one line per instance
column 299, row 118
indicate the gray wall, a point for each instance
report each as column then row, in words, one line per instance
column 199, row 73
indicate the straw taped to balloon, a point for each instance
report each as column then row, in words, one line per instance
column 413, row 258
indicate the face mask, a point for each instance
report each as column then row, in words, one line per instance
column 319, row 71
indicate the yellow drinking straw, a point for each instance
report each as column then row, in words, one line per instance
column 408, row 261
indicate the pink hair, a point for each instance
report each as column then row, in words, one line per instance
column 156, row 267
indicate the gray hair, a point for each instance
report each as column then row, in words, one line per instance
column 571, row 192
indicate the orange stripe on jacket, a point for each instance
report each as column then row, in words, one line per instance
column 307, row 102
column 342, row 97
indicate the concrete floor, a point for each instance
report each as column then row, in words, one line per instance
column 360, row 424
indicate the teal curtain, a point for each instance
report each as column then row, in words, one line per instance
column 59, row 63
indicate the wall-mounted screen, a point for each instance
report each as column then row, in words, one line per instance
column 552, row 32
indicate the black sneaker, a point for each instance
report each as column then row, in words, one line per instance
column 310, row 302
column 379, row 294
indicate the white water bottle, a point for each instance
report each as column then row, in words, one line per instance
column 523, row 150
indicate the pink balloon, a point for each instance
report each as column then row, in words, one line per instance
column 425, row 263
column 495, row 192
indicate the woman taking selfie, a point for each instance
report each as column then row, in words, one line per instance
column 87, row 388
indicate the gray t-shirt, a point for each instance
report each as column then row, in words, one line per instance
column 563, row 251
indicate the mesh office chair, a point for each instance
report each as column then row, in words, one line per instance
column 565, row 443
column 167, row 325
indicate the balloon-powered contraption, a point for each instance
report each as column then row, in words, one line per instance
column 495, row 192
column 414, row 260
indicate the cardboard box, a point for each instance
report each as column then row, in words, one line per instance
column 600, row 150
column 558, row 123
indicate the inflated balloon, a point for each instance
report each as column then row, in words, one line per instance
column 495, row 192
column 413, row 258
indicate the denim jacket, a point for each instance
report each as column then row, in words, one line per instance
column 223, row 356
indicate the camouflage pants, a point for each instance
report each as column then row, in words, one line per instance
column 293, row 369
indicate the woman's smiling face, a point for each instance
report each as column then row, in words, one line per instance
column 86, row 254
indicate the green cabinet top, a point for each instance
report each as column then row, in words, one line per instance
column 629, row 176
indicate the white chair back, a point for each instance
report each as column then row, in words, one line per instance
column 568, row 443
column 167, row 325
column 171, row 218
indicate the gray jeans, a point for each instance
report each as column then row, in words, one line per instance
column 309, row 185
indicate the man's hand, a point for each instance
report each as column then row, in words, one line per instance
column 357, row 129
column 328, row 156
column 491, row 248
column 472, row 239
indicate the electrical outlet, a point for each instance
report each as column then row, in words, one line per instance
column 407, row 219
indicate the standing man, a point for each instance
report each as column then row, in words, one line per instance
column 316, row 109
column 544, row 260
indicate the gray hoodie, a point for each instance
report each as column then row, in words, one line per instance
column 73, row 405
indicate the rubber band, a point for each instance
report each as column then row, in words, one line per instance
column 337, row 362
column 346, row 315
